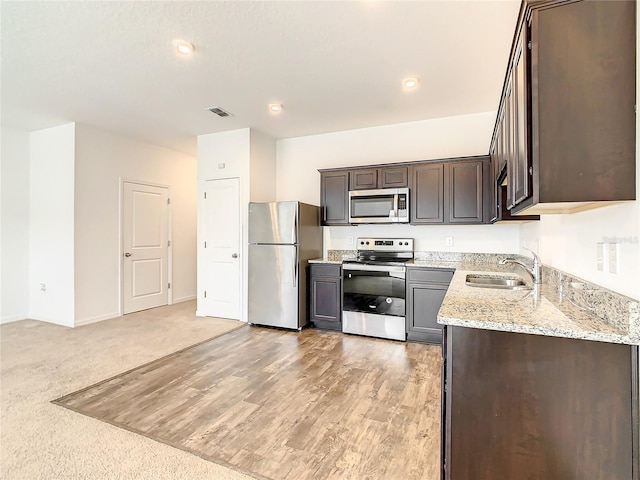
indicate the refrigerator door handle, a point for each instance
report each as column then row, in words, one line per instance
column 295, row 273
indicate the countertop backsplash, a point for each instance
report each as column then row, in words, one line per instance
column 616, row 309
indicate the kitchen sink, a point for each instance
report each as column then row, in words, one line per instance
column 494, row 281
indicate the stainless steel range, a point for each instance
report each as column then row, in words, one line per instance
column 374, row 290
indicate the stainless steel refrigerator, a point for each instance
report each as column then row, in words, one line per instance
column 283, row 236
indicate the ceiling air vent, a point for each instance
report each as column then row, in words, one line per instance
column 221, row 112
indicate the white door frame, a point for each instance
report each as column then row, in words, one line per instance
column 124, row 180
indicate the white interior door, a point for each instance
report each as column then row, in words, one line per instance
column 145, row 246
column 222, row 277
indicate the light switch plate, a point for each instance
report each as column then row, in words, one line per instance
column 600, row 256
column 613, row 258
column 350, row 239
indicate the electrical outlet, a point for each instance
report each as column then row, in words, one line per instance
column 350, row 239
column 448, row 241
column 613, row 258
column 43, row 287
column 600, row 256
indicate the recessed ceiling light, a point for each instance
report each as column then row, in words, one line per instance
column 275, row 107
column 184, row 47
column 410, row 82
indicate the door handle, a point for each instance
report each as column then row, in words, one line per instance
column 235, row 255
column 127, row 254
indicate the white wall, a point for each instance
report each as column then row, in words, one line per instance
column 568, row 243
column 262, row 159
column 102, row 160
column 250, row 156
column 14, row 241
column 231, row 148
column 298, row 161
column 466, row 238
column 51, row 219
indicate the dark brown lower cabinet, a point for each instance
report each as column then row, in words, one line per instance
column 325, row 286
column 426, row 289
column 523, row 407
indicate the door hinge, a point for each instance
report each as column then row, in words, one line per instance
column 530, row 170
column 168, row 201
column 205, row 244
column 205, row 195
column 168, row 243
column 529, row 44
column 205, row 294
column 168, row 285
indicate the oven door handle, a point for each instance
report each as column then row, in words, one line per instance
column 373, row 268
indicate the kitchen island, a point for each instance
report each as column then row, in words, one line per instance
column 536, row 384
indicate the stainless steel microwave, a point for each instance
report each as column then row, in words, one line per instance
column 385, row 205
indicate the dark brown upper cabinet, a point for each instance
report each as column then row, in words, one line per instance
column 334, row 197
column 465, row 187
column 450, row 192
column 447, row 191
column 364, row 179
column 394, row 177
column 498, row 189
column 566, row 122
column 426, row 195
column 384, row 177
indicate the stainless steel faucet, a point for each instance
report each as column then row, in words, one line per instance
column 535, row 272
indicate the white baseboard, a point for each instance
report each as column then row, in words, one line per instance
column 184, row 299
column 99, row 318
column 54, row 321
column 12, row 318
column 204, row 315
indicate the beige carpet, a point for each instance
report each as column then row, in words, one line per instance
column 41, row 362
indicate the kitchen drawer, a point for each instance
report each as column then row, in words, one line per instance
column 429, row 275
column 320, row 269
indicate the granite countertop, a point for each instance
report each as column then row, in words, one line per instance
column 325, row 260
column 543, row 310
column 562, row 306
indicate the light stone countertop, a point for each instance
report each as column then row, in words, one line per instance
column 539, row 311
column 326, row 260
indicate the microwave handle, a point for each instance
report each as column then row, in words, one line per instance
column 395, row 205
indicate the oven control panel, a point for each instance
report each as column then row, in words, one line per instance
column 386, row 244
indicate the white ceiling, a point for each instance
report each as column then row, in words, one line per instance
column 333, row 65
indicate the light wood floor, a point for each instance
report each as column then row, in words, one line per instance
column 283, row 405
